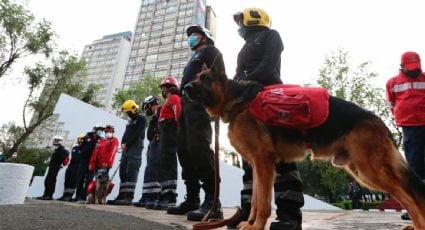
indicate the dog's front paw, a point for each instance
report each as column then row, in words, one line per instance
column 409, row 227
column 244, row 225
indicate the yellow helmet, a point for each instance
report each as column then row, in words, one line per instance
column 130, row 106
column 253, row 17
column 80, row 138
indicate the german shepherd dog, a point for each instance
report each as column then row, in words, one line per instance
column 102, row 184
column 351, row 137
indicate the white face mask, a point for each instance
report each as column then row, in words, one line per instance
column 109, row 135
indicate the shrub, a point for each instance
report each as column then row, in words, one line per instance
column 35, row 157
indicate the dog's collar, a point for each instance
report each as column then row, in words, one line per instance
column 229, row 111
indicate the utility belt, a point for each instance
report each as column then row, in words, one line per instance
column 165, row 120
column 156, row 137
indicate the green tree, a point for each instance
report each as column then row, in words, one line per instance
column 9, row 133
column 21, row 35
column 64, row 74
column 148, row 85
column 39, row 158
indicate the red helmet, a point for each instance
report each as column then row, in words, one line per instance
column 109, row 128
column 169, row 81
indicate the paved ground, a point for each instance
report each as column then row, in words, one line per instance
column 36, row 214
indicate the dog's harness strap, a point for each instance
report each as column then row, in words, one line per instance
column 115, row 172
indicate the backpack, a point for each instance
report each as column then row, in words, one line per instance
column 291, row 106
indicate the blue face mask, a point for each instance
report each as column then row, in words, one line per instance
column 99, row 133
column 192, row 41
column 242, row 31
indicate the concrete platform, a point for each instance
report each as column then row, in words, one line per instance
column 35, row 214
column 312, row 220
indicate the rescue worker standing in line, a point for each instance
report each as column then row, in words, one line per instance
column 59, row 158
column 131, row 158
column 168, row 123
column 84, row 175
column 102, row 159
column 406, row 95
column 104, row 153
column 195, row 135
column 151, row 187
column 259, row 60
column 72, row 170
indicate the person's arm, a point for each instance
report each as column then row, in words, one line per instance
column 176, row 107
column 390, row 95
column 113, row 151
column 141, row 126
column 273, row 46
column 92, row 164
column 65, row 161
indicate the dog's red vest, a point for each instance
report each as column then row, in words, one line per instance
column 291, row 106
column 92, row 187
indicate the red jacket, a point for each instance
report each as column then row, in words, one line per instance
column 171, row 108
column 104, row 153
column 407, row 99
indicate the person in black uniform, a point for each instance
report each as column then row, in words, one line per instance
column 84, row 176
column 60, row 158
column 72, row 170
column 151, row 186
column 131, row 158
column 259, row 60
column 195, row 134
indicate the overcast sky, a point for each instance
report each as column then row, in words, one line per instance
column 375, row 31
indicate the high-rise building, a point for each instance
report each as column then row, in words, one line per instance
column 106, row 65
column 159, row 46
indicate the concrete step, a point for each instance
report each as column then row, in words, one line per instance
column 312, row 219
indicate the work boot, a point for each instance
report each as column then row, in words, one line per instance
column 168, row 200
column 287, row 222
column 119, row 197
column 45, row 197
column 141, row 202
column 125, row 199
column 65, row 198
column 191, row 203
column 151, row 204
column 244, row 215
column 405, row 216
column 197, row 215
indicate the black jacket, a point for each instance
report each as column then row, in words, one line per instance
column 153, row 130
column 89, row 143
column 58, row 156
column 259, row 59
column 134, row 130
column 75, row 155
column 198, row 59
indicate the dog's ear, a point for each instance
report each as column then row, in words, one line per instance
column 218, row 65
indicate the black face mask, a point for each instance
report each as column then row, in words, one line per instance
column 132, row 115
column 412, row 73
column 149, row 112
column 164, row 94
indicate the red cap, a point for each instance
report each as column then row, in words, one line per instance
column 410, row 61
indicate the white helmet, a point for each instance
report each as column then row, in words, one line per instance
column 198, row 28
column 57, row 140
column 99, row 126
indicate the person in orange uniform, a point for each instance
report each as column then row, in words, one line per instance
column 168, row 120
